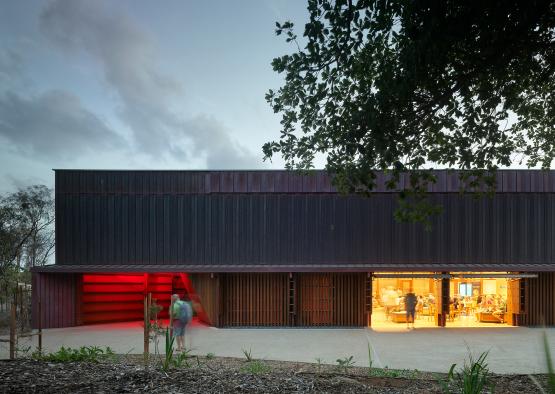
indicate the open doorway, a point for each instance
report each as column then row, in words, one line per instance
column 388, row 299
column 446, row 299
column 479, row 301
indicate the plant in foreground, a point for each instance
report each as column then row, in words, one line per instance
column 84, row 353
column 168, row 357
column 182, row 359
column 472, row 378
column 345, row 363
column 550, row 369
column 255, row 367
column 319, row 362
column 369, row 359
column 248, row 354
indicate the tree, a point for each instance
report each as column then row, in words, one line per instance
column 404, row 86
column 26, row 228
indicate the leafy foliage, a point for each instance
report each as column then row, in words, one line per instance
column 182, row 359
column 404, row 86
column 26, row 230
column 472, row 378
column 345, row 363
column 84, row 353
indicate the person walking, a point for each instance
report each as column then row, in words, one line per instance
column 410, row 306
column 182, row 314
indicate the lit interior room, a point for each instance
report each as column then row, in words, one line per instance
column 473, row 301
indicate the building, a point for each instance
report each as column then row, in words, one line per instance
column 275, row 248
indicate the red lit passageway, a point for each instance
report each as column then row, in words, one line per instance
column 104, row 297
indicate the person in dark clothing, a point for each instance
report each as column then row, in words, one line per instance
column 410, row 306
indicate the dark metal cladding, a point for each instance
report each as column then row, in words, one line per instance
column 246, row 219
column 267, row 181
column 58, row 295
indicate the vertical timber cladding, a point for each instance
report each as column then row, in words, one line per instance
column 254, row 299
column 514, row 302
column 206, row 287
column 332, row 299
column 58, row 296
column 119, row 297
column 322, row 299
column 539, row 300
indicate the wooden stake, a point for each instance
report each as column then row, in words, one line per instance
column 171, row 317
column 12, row 331
column 40, row 327
column 146, row 329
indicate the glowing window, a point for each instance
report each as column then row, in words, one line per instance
column 465, row 289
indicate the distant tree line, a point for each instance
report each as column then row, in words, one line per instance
column 26, row 231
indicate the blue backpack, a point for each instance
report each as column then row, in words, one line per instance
column 185, row 312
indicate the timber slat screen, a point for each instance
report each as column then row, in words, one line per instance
column 322, row 299
column 332, row 299
column 539, row 296
column 316, row 300
column 513, row 302
column 256, row 299
column 206, row 288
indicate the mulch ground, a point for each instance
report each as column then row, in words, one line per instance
column 222, row 375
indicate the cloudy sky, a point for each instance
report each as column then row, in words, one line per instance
column 137, row 84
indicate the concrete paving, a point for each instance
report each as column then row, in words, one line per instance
column 511, row 349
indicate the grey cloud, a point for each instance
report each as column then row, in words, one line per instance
column 10, row 63
column 54, row 124
column 128, row 57
column 220, row 151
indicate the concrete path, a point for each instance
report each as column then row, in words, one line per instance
column 511, row 349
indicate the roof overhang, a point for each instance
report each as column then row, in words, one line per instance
column 455, row 270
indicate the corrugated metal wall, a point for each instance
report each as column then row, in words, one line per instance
column 58, row 296
column 267, row 229
column 539, row 300
column 269, row 181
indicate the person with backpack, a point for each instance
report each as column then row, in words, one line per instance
column 182, row 313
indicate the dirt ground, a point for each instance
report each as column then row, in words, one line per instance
column 127, row 374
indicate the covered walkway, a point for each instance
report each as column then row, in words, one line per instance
column 511, row 349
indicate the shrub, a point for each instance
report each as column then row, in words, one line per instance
column 182, row 359
column 345, row 363
column 472, row 378
column 84, row 353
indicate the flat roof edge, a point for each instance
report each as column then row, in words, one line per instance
column 296, row 268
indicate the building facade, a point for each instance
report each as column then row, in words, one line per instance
column 276, row 248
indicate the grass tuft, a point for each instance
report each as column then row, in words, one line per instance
column 255, row 367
